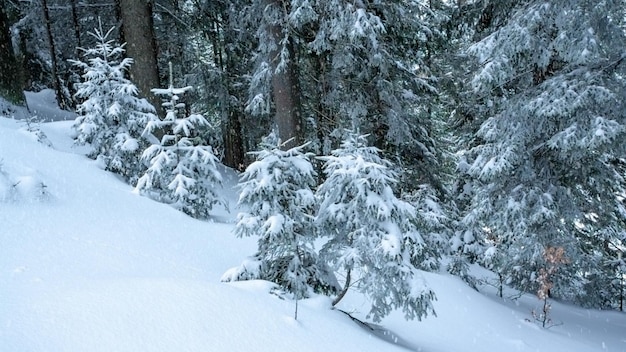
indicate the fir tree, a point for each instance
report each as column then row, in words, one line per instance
column 182, row 170
column 111, row 117
column 371, row 233
column 545, row 121
column 280, row 209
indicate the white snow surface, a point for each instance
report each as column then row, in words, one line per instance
column 43, row 105
column 93, row 266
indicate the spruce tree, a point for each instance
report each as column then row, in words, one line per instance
column 181, row 169
column 111, row 117
column 372, row 234
column 544, row 119
column 279, row 207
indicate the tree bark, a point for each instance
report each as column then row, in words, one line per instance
column 285, row 90
column 344, row 290
column 63, row 104
column 76, row 23
column 138, row 32
column 11, row 87
column 230, row 112
column 233, row 141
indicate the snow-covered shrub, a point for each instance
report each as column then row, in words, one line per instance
column 372, row 234
column 182, row 169
column 280, row 208
column 22, row 188
column 111, row 116
column 33, row 126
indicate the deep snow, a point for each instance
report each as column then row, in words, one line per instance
column 88, row 265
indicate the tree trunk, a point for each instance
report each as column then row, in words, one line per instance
column 233, row 141
column 232, row 131
column 76, row 28
column 345, row 288
column 138, row 33
column 10, row 77
column 53, row 58
column 285, row 85
column 231, row 113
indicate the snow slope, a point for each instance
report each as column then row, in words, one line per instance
column 43, row 105
column 88, row 265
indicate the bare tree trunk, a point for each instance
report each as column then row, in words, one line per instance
column 233, row 141
column 10, row 77
column 138, row 32
column 76, row 26
column 621, row 291
column 58, row 87
column 344, row 290
column 285, row 86
column 230, row 113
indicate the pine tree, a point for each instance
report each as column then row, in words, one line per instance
column 280, row 208
column 111, row 117
column 182, row 169
column 371, row 233
column 545, row 120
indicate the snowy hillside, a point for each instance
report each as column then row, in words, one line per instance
column 88, row 265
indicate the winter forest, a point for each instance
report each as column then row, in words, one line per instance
column 374, row 140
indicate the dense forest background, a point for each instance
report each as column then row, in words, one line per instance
column 497, row 125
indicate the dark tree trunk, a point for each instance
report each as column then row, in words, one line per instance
column 285, row 87
column 76, row 27
column 325, row 117
column 53, row 58
column 138, row 32
column 233, row 141
column 230, row 111
column 11, row 87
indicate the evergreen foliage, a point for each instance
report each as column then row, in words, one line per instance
column 501, row 122
column 279, row 208
column 182, row 169
column 111, row 117
column 363, row 64
column 214, row 54
column 372, row 233
column 545, row 119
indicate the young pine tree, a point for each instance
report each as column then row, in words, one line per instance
column 280, row 209
column 111, row 116
column 371, row 233
column 182, row 170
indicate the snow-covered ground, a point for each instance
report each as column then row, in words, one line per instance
column 43, row 105
column 88, row 265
